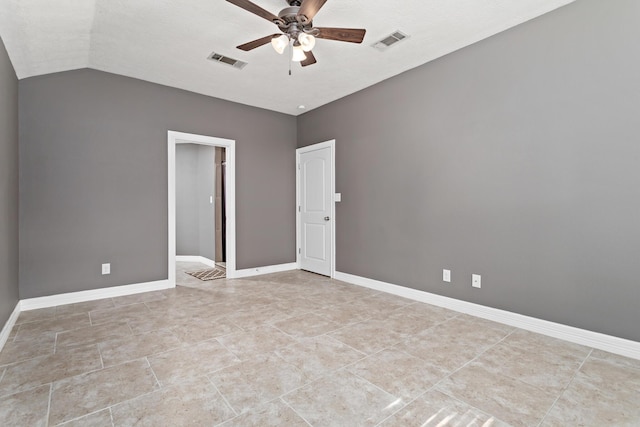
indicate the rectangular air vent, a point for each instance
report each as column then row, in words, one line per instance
column 390, row 40
column 235, row 63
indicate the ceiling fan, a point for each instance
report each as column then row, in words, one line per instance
column 297, row 28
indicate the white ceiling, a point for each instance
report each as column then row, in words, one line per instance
column 168, row 41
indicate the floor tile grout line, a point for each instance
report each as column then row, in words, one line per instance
column 405, row 406
column 228, row 349
column 560, row 390
column 315, row 380
column 312, row 381
column 127, row 400
column 85, row 415
column 153, row 372
column 236, row 325
column 100, row 354
column 130, row 328
column 21, row 361
column 55, row 343
column 49, row 403
column 465, row 403
column 275, row 327
column 376, row 386
column 575, row 374
column 330, row 373
column 474, row 359
column 135, row 397
column 3, row 396
column 15, row 337
column 222, row 395
column 294, row 410
column 64, row 378
column 364, row 355
column 435, row 386
column 324, row 374
column 413, row 355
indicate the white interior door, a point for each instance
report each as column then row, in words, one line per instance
column 315, row 184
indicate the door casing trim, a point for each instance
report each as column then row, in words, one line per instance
column 319, row 146
column 173, row 139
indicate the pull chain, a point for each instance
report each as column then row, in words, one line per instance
column 290, row 56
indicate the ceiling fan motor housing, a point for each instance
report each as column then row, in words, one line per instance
column 293, row 24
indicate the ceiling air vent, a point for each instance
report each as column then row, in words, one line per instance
column 390, row 40
column 226, row 60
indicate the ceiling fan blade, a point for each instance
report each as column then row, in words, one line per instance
column 254, row 8
column 310, row 59
column 351, row 35
column 257, row 43
column 309, row 8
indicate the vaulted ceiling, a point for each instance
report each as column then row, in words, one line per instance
column 168, row 42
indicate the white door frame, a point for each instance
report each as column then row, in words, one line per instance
column 175, row 138
column 332, row 145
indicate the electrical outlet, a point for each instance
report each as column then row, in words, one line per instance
column 476, row 280
column 446, row 275
column 106, row 268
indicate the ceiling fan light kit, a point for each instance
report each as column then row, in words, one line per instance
column 298, row 54
column 280, row 43
column 296, row 24
column 307, row 41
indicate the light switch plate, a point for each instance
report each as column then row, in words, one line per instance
column 106, row 268
column 338, row 197
column 446, row 275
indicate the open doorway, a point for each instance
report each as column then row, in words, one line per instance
column 219, row 206
column 200, row 209
column 201, row 199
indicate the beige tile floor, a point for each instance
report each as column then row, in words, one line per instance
column 297, row 349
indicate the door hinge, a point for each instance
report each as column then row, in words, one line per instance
column 299, row 250
column 298, row 165
column 299, row 209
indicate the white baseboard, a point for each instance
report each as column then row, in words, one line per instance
column 6, row 330
column 93, row 294
column 196, row 258
column 584, row 337
column 248, row 272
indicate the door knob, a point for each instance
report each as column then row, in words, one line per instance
column 326, row 218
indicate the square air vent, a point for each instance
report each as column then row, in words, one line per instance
column 390, row 40
column 235, row 63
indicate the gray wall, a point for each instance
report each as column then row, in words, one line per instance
column 195, row 215
column 8, row 187
column 187, row 222
column 517, row 158
column 93, row 176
